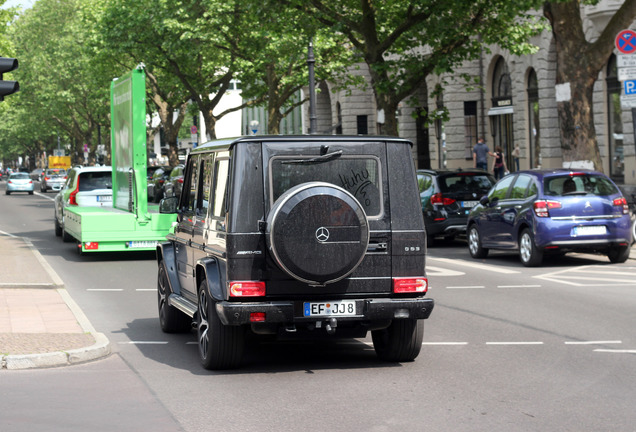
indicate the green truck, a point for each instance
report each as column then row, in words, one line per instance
column 131, row 224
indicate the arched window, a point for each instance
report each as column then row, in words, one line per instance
column 534, row 152
column 614, row 122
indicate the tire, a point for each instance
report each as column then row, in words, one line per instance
column 171, row 319
column 634, row 231
column 400, row 342
column 58, row 229
column 66, row 237
column 528, row 252
column 31, row 193
column 318, row 233
column 474, row 243
column 7, row 193
column 618, row 254
column 220, row 346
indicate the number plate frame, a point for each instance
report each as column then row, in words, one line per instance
column 468, row 204
column 589, row 230
column 336, row 308
column 138, row 244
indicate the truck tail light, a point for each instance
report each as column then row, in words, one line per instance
column 542, row 207
column 438, row 198
column 247, row 289
column 90, row 245
column 410, row 285
column 257, row 317
column 622, row 202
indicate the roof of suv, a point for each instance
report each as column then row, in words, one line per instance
column 221, row 144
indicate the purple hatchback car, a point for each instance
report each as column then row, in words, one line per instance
column 541, row 212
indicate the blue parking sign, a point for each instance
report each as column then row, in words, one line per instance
column 629, row 87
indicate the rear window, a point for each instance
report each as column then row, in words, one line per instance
column 478, row 183
column 89, row 181
column 359, row 175
column 19, row 176
column 55, row 172
column 579, row 184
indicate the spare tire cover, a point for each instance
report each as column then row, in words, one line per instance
column 317, row 232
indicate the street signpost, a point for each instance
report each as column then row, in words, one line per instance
column 626, row 42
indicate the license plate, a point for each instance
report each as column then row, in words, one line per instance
column 469, row 204
column 104, row 198
column 332, row 308
column 589, row 230
column 141, row 244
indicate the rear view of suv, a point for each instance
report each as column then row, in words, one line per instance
column 312, row 236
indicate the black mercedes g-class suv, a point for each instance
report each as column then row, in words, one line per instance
column 312, row 235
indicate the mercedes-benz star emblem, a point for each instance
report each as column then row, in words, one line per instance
column 322, row 234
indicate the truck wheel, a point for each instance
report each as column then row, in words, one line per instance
column 171, row 319
column 618, row 254
column 528, row 252
column 58, row 228
column 66, row 237
column 400, row 342
column 318, row 233
column 220, row 346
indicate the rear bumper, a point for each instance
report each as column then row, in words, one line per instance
column 235, row 313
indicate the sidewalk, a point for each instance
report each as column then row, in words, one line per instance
column 40, row 324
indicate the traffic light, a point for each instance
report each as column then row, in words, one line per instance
column 8, row 87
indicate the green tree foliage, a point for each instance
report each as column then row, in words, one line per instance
column 579, row 62
column 403, row 42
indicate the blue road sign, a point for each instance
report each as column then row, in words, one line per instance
column 626, row 41
column 629, row 87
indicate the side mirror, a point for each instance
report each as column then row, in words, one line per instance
column 484, row 200
column 169, row 205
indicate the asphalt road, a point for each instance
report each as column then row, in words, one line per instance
column 506, row 348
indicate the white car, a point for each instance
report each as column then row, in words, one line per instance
column 85, row 187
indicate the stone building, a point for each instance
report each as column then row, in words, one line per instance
column 516, row 105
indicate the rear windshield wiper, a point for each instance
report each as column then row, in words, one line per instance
column 316, row 160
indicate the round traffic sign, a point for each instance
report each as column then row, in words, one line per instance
column 193, row 129
column 626, row 41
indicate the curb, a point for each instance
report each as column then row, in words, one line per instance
column 101, row 347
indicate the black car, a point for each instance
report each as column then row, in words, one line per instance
column 447, row 198
column 305, row 236
column 173, row 185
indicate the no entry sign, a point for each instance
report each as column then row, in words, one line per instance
column 626, row 42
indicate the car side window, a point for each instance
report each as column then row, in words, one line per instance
column 500, row 190
column 192, row 185
column 221, row 175
column 206, row 183
column 520, row 187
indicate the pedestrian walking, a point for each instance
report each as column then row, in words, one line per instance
column 499, row 165
column 480, row 155
column 516, row 154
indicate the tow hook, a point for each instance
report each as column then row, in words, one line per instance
column 330, row 326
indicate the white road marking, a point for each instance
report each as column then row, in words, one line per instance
column 144, row 343
column 440, row 271
column 616, row 351
column 466, row 287
column 464, row 263
column 514, row 343
column 105, row 289
column 592, row 342
column 445, row 343
column 146, row 289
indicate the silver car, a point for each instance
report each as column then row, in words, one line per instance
column 19, row 182
column 53, row 179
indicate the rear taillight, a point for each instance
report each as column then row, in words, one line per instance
column 72, row 199
column 618, row 202
column 542, row 208
column 410, row 285
column 439, row 199
column 180, row 180
column 257, row 317
column 47, row 178
column 247, row 289
column 90, row 245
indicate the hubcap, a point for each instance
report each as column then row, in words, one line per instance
column 525, row 249
column 203, row 327
column 473, row 241
column 161, row 292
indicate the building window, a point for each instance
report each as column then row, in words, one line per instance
column 501, row 124
column 533, row 124
column 361, row 121
column 614, row 122
column 470, row 128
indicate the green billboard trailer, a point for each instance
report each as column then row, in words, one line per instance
column 131, row 224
